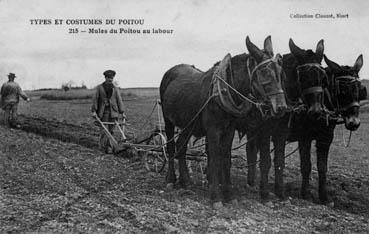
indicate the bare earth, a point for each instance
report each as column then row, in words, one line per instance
column 50, row 185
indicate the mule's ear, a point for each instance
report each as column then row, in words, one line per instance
column 359, row 63
column 295, row 50
column 254, row 50
column 332, row 65
column 268, row 46
column 320, row 50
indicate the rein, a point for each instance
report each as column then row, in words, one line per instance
column 240, row 94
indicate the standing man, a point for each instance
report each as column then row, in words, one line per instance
column 10, row 93
column 107, row 105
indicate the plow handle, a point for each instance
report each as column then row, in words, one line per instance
column 111, row 138
column 121, row 130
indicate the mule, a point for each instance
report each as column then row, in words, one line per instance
column 303, row 86
column 208, row 103
column 341, row 97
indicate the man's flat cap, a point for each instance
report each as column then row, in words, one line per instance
column 11, row 75
column 109, row 73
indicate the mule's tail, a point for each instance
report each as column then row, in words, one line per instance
column 167, row 78
column 169, row 128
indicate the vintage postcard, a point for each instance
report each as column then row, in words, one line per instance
column 194, row 116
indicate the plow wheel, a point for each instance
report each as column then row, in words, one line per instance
column 156, row 158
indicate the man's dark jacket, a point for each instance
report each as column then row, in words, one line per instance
column 100, row 101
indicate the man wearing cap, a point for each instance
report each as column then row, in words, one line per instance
column 107, row 105
column 10, row 93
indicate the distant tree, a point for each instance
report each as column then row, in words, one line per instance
column 71, row 85
column 67, row 86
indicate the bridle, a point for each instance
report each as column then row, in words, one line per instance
column 317, row 89
column 300, row 104
column 256, row 84
column 348, row 81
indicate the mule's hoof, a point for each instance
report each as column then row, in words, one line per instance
column 264, row 195
column 184, row 183
column 251, row 183
column 251, row 188
column 234, row 202
column 286, row 202
column 280, row 193
column 170, row 186
column 269, row 204
column 282, row 197
column 218, row 205
column 330, row 204
column 307, row 195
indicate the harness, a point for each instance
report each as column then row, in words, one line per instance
column 222, row 87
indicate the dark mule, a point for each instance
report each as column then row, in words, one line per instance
column 342, row 98
column 303, row 85
column 207, row 103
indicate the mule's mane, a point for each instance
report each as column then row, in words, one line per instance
column 289, row 61
column 236, row 60
column 196, row 68
column 309, row 53
column 240, row 59
column 216, row 64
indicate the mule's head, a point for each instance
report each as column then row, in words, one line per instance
column 346, row 89
column 266, row 76
column 311, row 76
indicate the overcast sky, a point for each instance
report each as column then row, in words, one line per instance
column 45, row 56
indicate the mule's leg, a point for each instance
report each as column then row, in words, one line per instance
column 181, row 148
column 322, row 150
column 265, row 163
column 169, row 131
column 251, row 152
column 226, row 145
column 279, row 142
column 214, row 170
column 305, row 167
column 207, row 165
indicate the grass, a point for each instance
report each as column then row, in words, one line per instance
column 86, row 94
column 78, row 111
column 69, row 95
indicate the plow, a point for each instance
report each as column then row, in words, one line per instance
column 151, row 146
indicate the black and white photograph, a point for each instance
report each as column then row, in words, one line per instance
column 184, row 116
